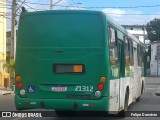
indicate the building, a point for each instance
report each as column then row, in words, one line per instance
column 153, row 63
column 8, row 42
column 155, row 59
column 3, row 24
column 139, row 32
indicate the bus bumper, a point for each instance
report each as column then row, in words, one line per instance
column 62, row 104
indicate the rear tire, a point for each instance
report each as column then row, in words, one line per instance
column 126, row 101
column 123, row 112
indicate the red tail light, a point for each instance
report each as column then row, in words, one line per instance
column 19, row 85
column 100, row 86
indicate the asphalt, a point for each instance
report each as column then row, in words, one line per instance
column 4, row 91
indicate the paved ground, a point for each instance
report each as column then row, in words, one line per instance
column 148, row 102
column 4, row 91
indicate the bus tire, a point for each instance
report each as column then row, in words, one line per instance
column 126, row 101
column 122, row 113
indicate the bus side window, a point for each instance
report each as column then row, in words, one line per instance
column 112, row 46
column 139, row 53
column 127, row 57
column 131, row 52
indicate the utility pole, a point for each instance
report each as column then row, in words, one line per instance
column 51, row 4
column 13, row 30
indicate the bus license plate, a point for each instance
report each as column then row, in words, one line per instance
column 59, row 89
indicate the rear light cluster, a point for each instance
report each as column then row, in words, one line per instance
column 100, row 86
column 19, row 84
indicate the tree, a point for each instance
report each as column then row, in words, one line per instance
column 153, row 30
column 9, row 66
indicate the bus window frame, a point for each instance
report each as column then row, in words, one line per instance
column 115, row 46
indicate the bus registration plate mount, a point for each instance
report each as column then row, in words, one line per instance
column 59, row 89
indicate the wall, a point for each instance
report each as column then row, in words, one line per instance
column 155, row 62
column 3, row 25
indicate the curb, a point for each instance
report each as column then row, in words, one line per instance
column 5, row 93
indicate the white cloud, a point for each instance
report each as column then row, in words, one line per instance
column 115, row 12
column 129, row 17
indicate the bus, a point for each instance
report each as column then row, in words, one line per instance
column 76, row 60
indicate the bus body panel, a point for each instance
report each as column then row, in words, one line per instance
column 63, row 39
column 62, row 104
column 61, row 57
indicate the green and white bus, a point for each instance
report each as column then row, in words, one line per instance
column 76, row 60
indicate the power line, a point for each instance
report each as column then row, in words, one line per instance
column 142, row 6
column 51, row 5
column 24, row 2
column 5, row 16
column 20, row 5
column 108, row 7
column 131, row 14
column 37, row 3
column 30, row 7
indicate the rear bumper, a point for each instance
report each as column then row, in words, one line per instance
column 62, row 104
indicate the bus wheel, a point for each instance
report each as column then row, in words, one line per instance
column 122, row 113
column 61, row 113
column 126, row 101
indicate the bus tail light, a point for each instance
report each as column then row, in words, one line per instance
column 19, row 85
column 18, row 78
column 103, row 79
column 100, row 86
column 27, row 103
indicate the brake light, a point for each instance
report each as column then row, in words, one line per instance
column 19, row 85
column 27, row 103
column 100, row 86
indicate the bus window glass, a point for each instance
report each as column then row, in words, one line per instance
column 131, row 52
column 112, row 47
column 126, row 51
column 139, row 55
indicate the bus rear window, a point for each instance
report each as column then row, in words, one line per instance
column 61, row 30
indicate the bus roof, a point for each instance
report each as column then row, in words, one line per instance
column 109, row 19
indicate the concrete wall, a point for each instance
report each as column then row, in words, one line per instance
column 3, row 25
column 155, row 62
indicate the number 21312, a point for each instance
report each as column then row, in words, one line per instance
column 84, row 88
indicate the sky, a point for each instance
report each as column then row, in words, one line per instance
column 125, row 12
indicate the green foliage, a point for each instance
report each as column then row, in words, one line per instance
column 153, row 29
column 9, row 66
